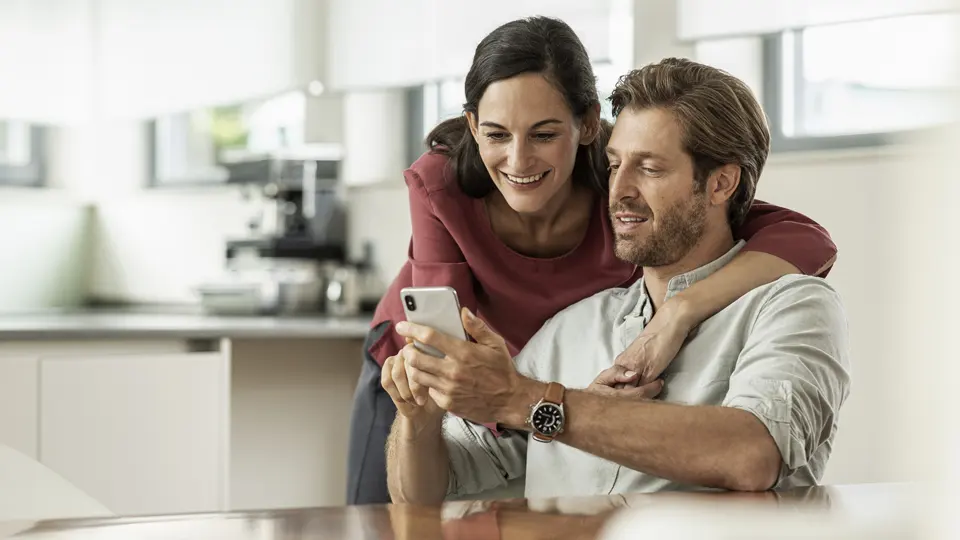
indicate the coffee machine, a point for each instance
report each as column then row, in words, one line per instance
column 296, row 234
column 302, row 211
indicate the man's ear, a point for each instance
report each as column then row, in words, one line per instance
column 723, row 183
column 474, row 128
column 590, row 126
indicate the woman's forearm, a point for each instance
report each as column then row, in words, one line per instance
column 747, row 271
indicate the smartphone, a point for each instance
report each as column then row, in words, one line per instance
column 436, row 307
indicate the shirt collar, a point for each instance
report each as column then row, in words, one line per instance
column 644, row 307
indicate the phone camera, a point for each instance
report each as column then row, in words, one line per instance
column 411, row 305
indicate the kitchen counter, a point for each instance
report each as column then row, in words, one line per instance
column 134, row 324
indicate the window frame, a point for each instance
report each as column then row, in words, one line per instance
column 32, row 174
column 773, row 89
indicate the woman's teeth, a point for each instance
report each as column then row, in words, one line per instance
column 525, row 179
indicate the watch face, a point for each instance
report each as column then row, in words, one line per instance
column 547, row 418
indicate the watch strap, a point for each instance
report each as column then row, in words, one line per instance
column 554, row 393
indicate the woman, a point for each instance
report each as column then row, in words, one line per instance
column 509, row 207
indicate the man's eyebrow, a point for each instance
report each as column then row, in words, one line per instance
column 635, row 154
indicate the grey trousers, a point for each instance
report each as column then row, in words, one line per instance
column 373, row 414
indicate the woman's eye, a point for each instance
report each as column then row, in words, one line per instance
column 613, row 167
column 496, row 136
column 650, row 172
column 543, row 137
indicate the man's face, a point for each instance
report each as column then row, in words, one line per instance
column 657, row 210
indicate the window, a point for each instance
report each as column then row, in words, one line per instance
column 21, row 154
column 216, row 145
column 855, row 84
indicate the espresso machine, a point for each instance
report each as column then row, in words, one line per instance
column 296, row 240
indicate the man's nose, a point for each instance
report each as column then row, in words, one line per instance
column 622, row 185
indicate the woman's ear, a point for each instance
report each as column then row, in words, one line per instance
column 590, row 126
column 472, row 122
column 723, row 183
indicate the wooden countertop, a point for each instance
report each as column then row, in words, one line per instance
column 876, row 510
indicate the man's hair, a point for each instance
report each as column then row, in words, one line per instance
column 719, row 117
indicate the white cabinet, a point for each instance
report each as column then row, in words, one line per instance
column 142, row 434
column 461, row 26
column 380, row 43
column 46, row 60
column 18, row 403
column 162, row 56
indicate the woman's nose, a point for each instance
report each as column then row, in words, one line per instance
column 519, row 156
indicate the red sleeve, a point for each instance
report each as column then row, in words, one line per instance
column 435, row 256
column 790, row 236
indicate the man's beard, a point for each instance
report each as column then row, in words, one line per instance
column 676, row 231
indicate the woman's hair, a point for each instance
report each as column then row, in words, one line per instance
column 532, row 45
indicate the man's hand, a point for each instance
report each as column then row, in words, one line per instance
column 477, row 381
column 414, row 403
column 658, row 343
column 618, row 381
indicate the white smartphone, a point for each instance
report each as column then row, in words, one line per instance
column 436, row 307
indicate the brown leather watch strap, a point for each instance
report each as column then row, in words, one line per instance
column 554, row 393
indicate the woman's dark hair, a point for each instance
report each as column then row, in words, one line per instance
column 532, row 45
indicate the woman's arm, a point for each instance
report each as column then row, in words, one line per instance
column 779, row 242
column 435, row 256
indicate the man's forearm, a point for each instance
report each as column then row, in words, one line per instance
column 708, row 446
column 417, row 463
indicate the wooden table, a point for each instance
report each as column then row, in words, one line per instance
column 565, row 518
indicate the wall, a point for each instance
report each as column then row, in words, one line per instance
column 44, row 254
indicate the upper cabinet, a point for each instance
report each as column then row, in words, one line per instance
column 46, row 60
column 158, row 57
column 462, row 24
column 67, row 61
column 381, row 43
column 64, row 61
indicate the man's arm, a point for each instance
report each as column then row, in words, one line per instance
column 417, row 462
column 785, row 393
column 709, row 446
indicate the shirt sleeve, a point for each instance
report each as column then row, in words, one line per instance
column 790, row 236
column 793, row 373
column 435, row 256
column 479, row 459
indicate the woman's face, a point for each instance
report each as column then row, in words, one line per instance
column 528, row 140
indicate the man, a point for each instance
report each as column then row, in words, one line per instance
column 751, row 401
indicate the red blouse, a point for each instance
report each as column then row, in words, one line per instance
column 453, row 244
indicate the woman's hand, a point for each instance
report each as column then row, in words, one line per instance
column 658, row 343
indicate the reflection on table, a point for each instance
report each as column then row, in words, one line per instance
column 562, row 518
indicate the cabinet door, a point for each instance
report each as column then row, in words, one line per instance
column 18, row 404
column 143, row 434
column 460, row 26
column 380, row 43
column 46, row 60
column 164, row 56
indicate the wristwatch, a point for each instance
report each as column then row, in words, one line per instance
column 546, row 417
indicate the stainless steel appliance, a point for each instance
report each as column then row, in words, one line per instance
column 295, row 240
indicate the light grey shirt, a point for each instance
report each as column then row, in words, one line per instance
column 779, row 352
